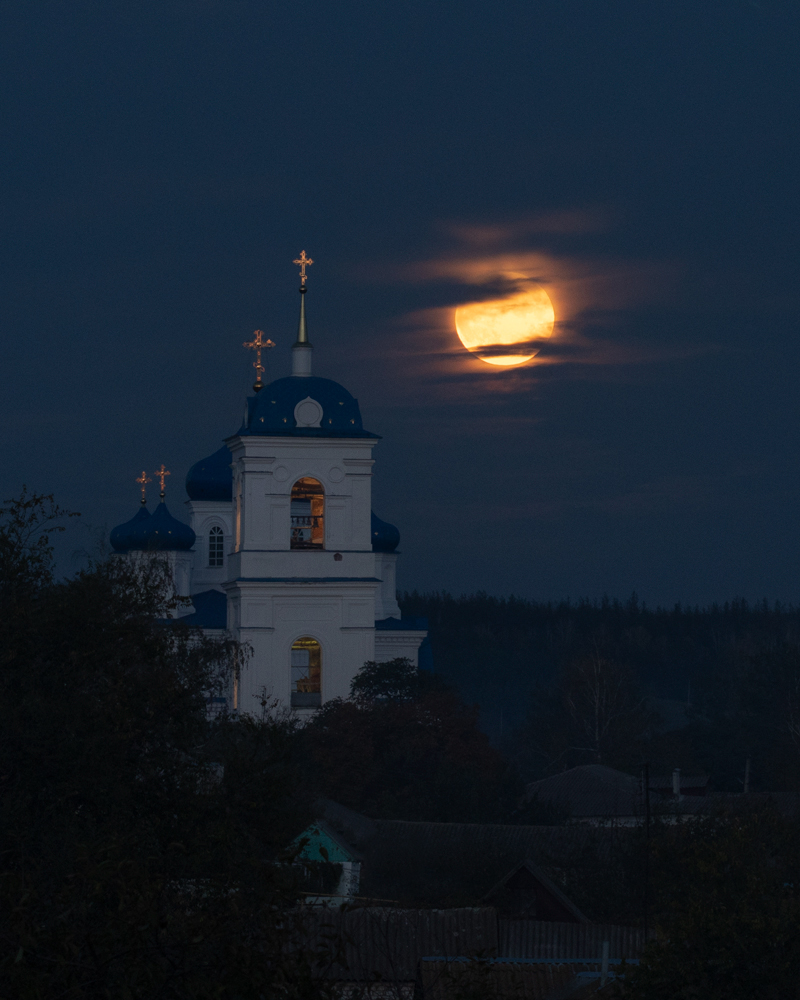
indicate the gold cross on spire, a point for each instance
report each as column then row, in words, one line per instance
column 258, row 344
column 144, row 479
column 303, row 262
column 161, row 474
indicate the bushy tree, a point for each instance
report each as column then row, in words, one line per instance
column 727, row 897
column 404, row 746
column 758, row 716
column 592, row 713
column 394, row 680
column 141, row 841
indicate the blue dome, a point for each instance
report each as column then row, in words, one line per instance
column 272, row 411
column 122, row 534
column 211, row 478
column 162, row 533
column 385, row 537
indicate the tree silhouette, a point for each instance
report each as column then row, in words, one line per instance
column 141, row 841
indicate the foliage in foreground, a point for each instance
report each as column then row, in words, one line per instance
column 139, row 840
column 727, row 894
column 404, row 746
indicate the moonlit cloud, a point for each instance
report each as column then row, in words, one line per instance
column 592, row 297
column 577, row 285
column 571, row 221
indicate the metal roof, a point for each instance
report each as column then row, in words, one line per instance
column 456, row 864
column 591, row 790
column 542, row 939
column 383, row 943
column 440, row 979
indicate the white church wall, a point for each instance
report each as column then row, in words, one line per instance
column 406, row 642
column 272, row 617
column 320, row 564
column 386, row 605
column 266, row 469
column 203, row 516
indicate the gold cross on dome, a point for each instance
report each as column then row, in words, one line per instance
column 161, row 474
column 303, row 262
column 258, row 344
column 144, row 479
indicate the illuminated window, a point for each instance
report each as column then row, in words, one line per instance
column 215, row 546
column 306, row 673
column 307, row 513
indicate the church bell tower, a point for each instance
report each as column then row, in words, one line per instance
column 284, row 550
column 308, row 570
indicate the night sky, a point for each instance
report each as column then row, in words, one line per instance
column 164, row 163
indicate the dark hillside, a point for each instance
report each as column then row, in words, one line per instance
column 722, row 675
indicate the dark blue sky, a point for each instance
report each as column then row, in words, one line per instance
column 163, row 164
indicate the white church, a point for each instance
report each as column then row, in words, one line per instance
column 283, row 550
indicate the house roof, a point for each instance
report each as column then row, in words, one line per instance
column 554, row 940
column 456, row 864
column 387, row 944
column 546, row 882
column 323, row 843
column 442, row 979
column 353, row 826
column 383, row 943
column 591, row 790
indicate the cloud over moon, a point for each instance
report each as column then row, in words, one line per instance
column 603, row 304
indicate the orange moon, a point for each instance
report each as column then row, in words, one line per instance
column 506, row 331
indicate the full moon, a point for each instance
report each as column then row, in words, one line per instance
column 506, row 331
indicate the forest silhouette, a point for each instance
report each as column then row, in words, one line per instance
column 703, row 689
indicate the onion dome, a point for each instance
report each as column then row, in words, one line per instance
column 123, row 533
column 211, row 478
column 162, row 533
column 385, row 537
column 304, row 406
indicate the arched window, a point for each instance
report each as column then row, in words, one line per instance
column 215, row 547
column 306, row 673
column 307, row 513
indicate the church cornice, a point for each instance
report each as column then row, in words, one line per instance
column 304, row 438
column 303, row 580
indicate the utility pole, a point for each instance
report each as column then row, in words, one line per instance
column 646, row 849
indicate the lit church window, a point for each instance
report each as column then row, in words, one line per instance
column 215, row 547
column 306, row 673
column 307, row 513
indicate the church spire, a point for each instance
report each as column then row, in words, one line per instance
column 143, row 480
column 301, row 352
column 258, row 344
column 161, row 475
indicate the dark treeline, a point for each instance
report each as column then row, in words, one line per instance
column 697, row 688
